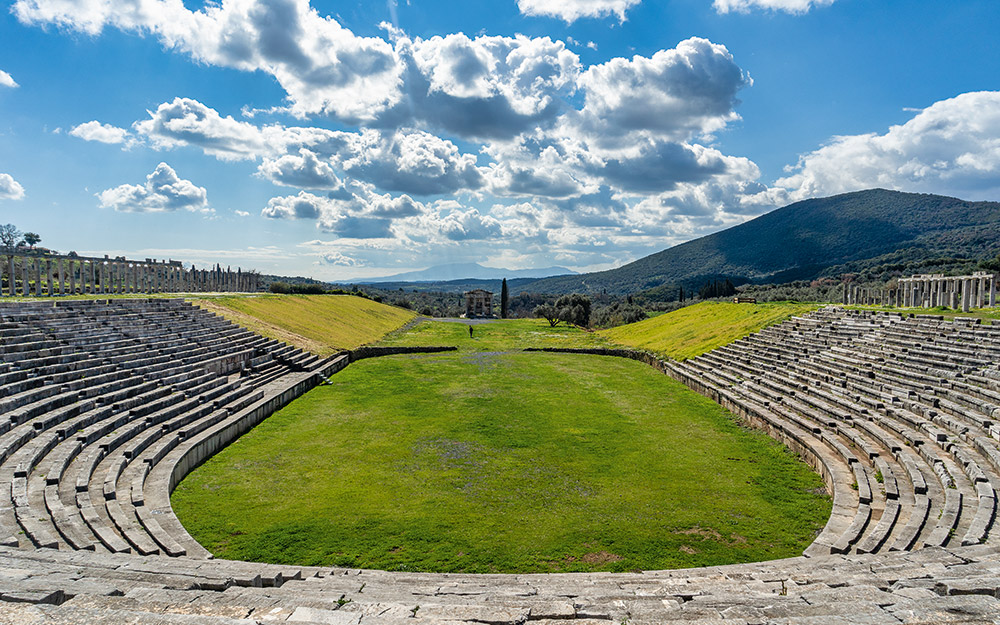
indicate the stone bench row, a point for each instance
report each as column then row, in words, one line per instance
column 100, row 419
column 973, row 471
column 819, row 405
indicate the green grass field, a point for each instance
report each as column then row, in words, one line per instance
column 509, row 334
column 480, row 461
column 694, row 330
column 322, row 324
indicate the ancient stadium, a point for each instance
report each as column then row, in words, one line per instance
column 110, row 403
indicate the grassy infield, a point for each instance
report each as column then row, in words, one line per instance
column 491, row 460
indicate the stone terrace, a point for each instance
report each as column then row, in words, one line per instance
column 105, row 406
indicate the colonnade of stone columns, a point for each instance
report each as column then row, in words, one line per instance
column 929, row 291
column 49, row 275
column 869, row 296
column 965, row 292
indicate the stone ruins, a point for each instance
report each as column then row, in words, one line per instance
column 478, row 303
column 49, row 275
column 929, row 291
column 107, row 404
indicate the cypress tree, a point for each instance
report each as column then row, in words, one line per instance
column 504, row 299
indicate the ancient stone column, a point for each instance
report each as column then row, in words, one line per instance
column 48, row 275
column 36, row 264
column 72, row 277
column 57, row 276
column 25, row 282
column 981, row 293
column 11, row 281
column 966, row 283
column 993, row 290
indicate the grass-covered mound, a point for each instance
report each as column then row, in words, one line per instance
column 694, row 330
column 502, row 462
column 322, row 324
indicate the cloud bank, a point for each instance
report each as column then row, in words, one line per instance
column 788, row 6
column 572, row 10
column 951, row 147
column 6, row 80
column 10, row 189
column 102, row 133
column 164, row 191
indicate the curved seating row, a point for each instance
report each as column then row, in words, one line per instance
column 894, row 411
column 96, row 394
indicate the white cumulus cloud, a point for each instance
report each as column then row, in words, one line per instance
column 406, row 161
column 789, row 6
column 341, row 260
column 10, row 189
column 103, row 133
column 6, row 80
column 188, row 122
column 676, row 93
column 951, row 147
column 163, row 191
column 572, row 10
column 323, row 66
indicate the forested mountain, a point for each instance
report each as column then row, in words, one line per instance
column 803, row 240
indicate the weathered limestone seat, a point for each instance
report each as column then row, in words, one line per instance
column 99, row 393
column 878, row 391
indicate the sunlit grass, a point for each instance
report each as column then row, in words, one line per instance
column 486, row 462
column 694, row 330
column 500, row 335
column 322, row 324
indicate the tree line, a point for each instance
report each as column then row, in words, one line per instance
column 11, row 236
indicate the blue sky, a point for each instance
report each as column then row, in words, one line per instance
column 349, row 139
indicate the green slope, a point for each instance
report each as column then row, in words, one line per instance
column 322, row 324
column 800, row 240
column 694, row 330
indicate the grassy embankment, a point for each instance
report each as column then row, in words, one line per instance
column 322, row 324
column 502, row 462
column 694, row 330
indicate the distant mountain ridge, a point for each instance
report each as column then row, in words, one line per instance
column 801, row 240
column 464, row 271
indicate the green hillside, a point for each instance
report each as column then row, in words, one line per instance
column 322, row 324
column 799, row 241
column 694, row 330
